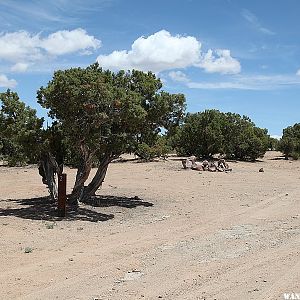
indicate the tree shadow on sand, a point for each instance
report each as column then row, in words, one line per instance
column 106, row 201
column 41, row 208
column 278, row 158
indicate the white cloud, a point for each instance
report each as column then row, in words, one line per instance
column 64, row 42
column 298, row 72
column 277, row 137
column 19, row 67
column 7, row 83
column 162, row 51
column 158, row 52
column 220, row 62
column 178, row 76
column 21, row 47
column 18, row 46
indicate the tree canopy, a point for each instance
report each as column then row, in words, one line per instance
column 20, row 130
column 102, row 114
column 210, row 132
column 289, row 145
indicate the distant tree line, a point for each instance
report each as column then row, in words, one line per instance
column 97, row 115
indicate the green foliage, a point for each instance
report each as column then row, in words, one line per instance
column 289, row 145
column 163, row 146
column 295, row 155
column 145, row 151
column 159, row 149
column 109, row 112
column 273, row 144
column 201, row 134
column 210, row 132
column 20, row 130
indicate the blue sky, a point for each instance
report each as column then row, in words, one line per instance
column 232, row 55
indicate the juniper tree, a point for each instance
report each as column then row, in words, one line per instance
column 20, row 130
column 289, row 145
column 104, row 114
column 210, row 132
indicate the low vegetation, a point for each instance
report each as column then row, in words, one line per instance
column 210, row 132
column 289, row 145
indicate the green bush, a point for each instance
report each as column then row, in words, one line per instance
column 20, row 130
column 289, row 145
column 159, row 149
column 295, row 155
column 210, row 132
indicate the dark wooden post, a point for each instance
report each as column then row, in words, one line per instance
column 62, row 194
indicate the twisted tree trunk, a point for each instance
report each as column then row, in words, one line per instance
column 82, row 175
column 48, row 168
column 90, row 190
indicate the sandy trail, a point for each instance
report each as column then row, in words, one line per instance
column 194, row 235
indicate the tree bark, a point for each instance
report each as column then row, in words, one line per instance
column 82, row 175
column 48, row 168
column 90, row 190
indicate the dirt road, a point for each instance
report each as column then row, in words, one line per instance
column 190, row 235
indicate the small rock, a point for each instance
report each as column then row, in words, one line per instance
column 261, row 170
column 133, row 275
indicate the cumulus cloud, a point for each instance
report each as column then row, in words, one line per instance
column 19, row 67
column 7, row 83
column 220, row 61
column 64, row 42
column 21, row 47
column 160, row 51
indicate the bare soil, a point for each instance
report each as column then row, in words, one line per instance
column 186, row 235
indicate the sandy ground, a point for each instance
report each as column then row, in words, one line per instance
column 192, row 235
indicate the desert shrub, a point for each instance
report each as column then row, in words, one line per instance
column 201, row 134
column 289, row 145
column 273, row 144
column 159, row 149
column 295, row 155
column 145, row 151
column 210, row 132
column 20, row 130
